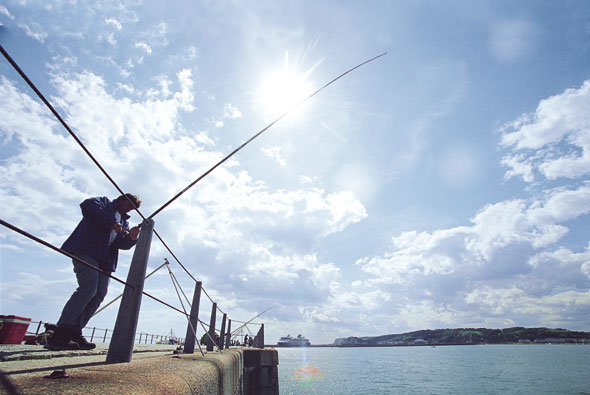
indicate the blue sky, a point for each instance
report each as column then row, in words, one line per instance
column 445, row 184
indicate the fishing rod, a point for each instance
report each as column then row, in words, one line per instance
column 66, row 126
column 121, row 295
column 246, row 323
column 259, row 133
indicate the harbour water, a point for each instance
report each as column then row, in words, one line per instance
column 493, row 369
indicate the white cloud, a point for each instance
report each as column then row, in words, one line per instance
column 164, row 83
column 230, row 111
column 114, row 22
column 513, row 304
column 143, row 45
column 282, row 268
column 203, row 139
column 562, row 205
column 426, row 314
column 554, row 141
column 4, row 11
column 153, row 38
column 185, row 97
column 507, row 267
column 124, row 72
column 572, row 268
column 308, row 180
column 35, row 31
column 520, row 166
column 126, row 87
column 418, row 254
column 192, row 52
column 507, row 241
column 162, row 28
column 274, row 153
column 111, row 39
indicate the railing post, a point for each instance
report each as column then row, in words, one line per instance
column 228, row 334
column 92, row 336
column 140, row 335
column 191, row 329
column 259, row 338
column 211, row 339
column 104, row 340
column 38, row 327
column 222, row 333
column 121, row 346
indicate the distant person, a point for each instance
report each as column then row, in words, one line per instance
column 246, row 340
column 204, row 338
column 97, row 239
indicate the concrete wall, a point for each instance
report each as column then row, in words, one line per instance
column 235, row 371
column 261, row 372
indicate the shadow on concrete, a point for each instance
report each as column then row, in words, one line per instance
column 6, row 384
column 56, row 367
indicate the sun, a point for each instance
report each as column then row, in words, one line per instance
column 283, row 89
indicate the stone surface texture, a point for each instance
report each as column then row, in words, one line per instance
column 154, row 369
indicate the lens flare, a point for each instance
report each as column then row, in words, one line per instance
column 306, row 375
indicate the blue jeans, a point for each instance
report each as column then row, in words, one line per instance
column 92, row 288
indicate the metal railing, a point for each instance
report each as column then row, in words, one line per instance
column 103, row 334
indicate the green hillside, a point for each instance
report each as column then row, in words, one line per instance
column 471, row 336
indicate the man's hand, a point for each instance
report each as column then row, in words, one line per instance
column 117, row 227
column 134, row 233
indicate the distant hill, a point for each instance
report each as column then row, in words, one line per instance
column 470, row 336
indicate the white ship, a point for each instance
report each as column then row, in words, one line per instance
column 288, row 341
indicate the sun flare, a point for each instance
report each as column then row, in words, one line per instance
column 282, row 89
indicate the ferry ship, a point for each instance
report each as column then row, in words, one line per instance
column 288, row 341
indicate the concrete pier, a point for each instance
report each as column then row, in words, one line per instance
column 155, row 369
column 261, row 373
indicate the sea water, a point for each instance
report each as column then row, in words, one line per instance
column 492, row 369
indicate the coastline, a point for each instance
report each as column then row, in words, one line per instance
column 425, row 345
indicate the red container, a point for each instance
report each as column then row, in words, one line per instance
column 13, row 329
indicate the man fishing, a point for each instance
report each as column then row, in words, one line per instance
column 97, row 239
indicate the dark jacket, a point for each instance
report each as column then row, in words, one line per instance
column 91, row 236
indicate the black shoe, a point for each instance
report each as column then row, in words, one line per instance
column 60, row 341
column 83, row 343
column 75, row 335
